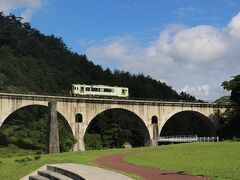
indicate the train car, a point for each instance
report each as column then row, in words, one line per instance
column 99, row 91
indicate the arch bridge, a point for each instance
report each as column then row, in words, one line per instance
column 79, row 112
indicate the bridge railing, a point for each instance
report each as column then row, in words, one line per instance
column 187, row 138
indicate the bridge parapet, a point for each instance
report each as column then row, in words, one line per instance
column 156, row 102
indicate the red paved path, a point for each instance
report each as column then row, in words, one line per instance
column 115, row 162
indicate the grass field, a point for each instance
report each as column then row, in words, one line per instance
column 215, row 160
column 10, row 169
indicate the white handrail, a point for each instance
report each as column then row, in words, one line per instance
column 187, row 138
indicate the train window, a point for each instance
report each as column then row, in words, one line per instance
column 107, row 90
column 96, row 89
column 82, row 89
column 123, row 91
column 87, row 88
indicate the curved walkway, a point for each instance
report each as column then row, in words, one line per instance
column 116, row 162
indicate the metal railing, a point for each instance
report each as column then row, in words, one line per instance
column 187, row 138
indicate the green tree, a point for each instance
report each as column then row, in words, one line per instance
column 32, row 62
column 27, row 129
column 115, row 127
column 230, row 120
column 233, row 86
column 93, row 141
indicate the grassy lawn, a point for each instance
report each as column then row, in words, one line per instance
column 10, row 169
column 215, row 160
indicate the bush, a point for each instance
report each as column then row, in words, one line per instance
column 93, row 141
column 38, row 152
column 23, row 160
column 236, row 139
column 37, row 157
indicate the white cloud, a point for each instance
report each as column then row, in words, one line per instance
column 184, row 57
column 27, row 7
column 27, row 14
column 201, row 43
column 201, row 92
column 84, row 42
column 234, row 26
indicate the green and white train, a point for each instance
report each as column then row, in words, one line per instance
column 99, row 91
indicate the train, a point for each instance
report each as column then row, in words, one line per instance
column 99, row 91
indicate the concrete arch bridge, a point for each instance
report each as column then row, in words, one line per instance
column 79, row 112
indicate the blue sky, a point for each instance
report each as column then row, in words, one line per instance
column 191, row 45
column 93, row 19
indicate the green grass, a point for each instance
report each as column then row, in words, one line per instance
column 12, row 150
column 11, row 169
column 215, row 160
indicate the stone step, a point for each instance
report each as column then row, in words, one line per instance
column 82, row 172
column 77, row 172
column 64, row 172
column 37, row 177
column 53, row 175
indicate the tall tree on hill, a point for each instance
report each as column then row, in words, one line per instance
column 233, row 86
column 231, row 118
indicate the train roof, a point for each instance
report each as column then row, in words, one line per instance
column 99, row 85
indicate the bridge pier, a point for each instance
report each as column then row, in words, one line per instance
column 53, row 146
column 79, row 135
column 154, row 131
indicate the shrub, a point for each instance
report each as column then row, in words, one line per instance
column 37, row 157
column 23, row 160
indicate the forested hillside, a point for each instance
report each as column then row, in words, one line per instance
column 31, row 62
column 36, row 63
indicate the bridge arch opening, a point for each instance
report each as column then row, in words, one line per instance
column 115, row 128
column 188, row 123
column 27, row 128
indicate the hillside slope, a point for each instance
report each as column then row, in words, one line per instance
column 36, row 63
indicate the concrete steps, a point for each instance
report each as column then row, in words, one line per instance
column 55, row 173
column 74, row 171
column 65, row 172
column 37, row 177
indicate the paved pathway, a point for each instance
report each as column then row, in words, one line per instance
column 116, row 162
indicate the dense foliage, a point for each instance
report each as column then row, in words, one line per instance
column 230, row 120
column 188, row 123
column 35, row 63
column 225, row 100
column 113, row 128
column 27, row 128
column 233, row 86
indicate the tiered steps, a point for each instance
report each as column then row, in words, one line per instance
column 37, row 177
column 55, row 173
column 74, row 171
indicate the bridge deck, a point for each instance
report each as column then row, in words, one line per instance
column 110, row 100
